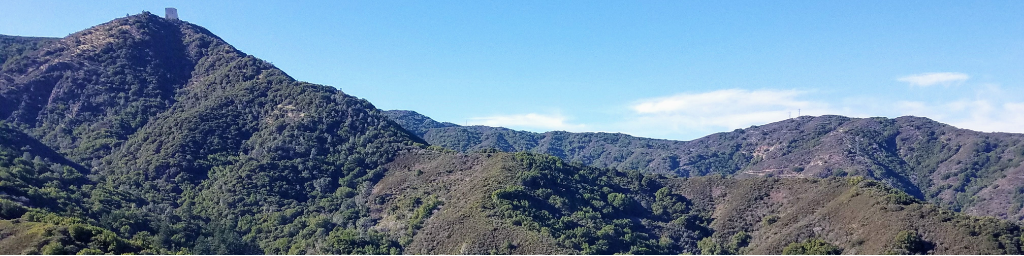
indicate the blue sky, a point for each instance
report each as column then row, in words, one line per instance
column 663, row 69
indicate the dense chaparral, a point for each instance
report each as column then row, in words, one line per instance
column 146, row 135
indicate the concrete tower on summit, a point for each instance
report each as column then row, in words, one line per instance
column 170, row 13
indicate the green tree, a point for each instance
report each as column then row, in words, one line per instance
column 739, row 240
column 812, row 246
column 709, row 246
column 619, row 201
column 908, row 242
column 769, row 219
column 53, row 248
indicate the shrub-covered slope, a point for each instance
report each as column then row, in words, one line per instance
column 44, row 200
column 145, row 135
column 15, row 46
column 443, row 203
column 612, row 150
column 209, row 150
column 974, row 172
column 857, row 215
column 493, row 202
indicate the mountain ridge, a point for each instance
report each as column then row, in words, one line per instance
column 150, row 136
column 915, row 154
column 174, row 117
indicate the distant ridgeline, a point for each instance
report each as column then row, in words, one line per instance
column 150, row 136
column 972, row 172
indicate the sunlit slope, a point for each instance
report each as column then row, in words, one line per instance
column 188, row 145
column 528, row 203
column 968, row 171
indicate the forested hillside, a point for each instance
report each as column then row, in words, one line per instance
column 613, row 150
column 15, row 46
column 973, row 172
column 152, row 136
column 528, row 203
column 209, row 150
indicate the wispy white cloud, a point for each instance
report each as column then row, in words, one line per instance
column 989, row 109
column 696, row 114
column 692, row 115
column 530, row 121
column 978, row 114
column 929, row 79
column 720, row 110
column 721, row 101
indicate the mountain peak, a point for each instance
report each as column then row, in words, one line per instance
column 415, row 122
column 140, row 28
